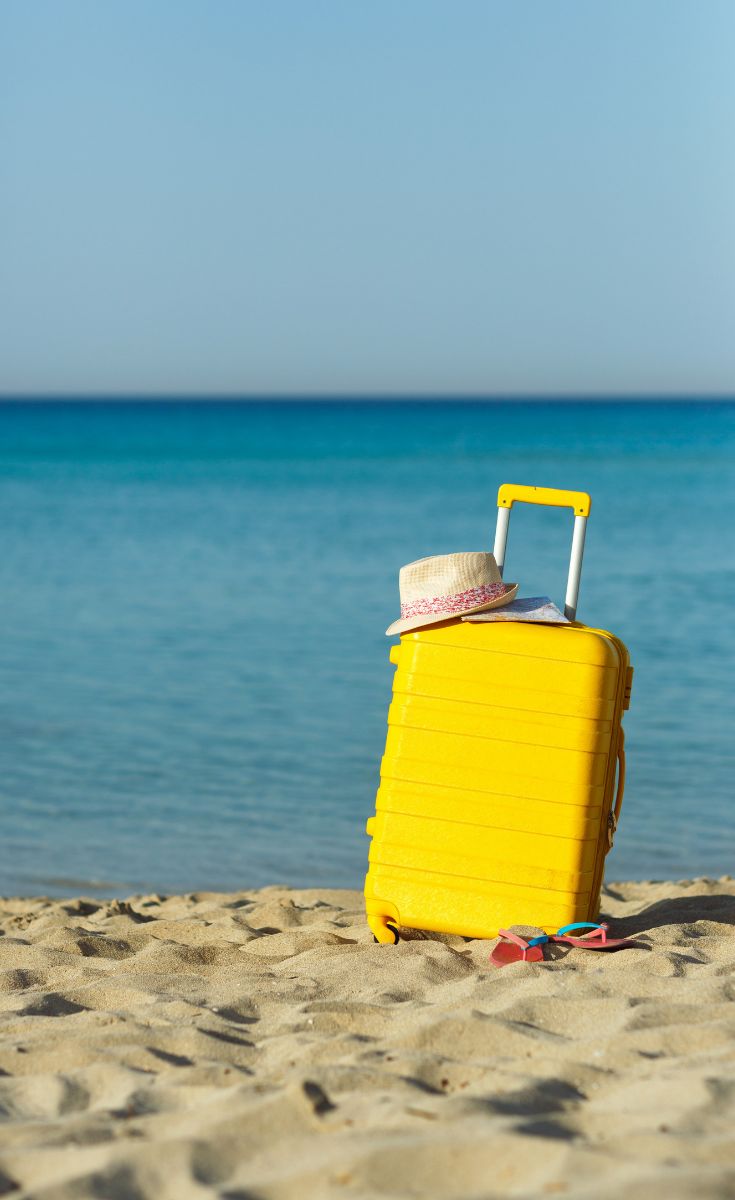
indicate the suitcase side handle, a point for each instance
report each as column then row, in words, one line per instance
column 614, row 814
column 579, row 502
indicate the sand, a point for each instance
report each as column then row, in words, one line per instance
column 261, row 1045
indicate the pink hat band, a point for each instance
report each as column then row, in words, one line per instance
column 455, row 602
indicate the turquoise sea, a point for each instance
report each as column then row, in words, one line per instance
column 194, row 672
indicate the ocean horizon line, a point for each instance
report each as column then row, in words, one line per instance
column 359, row 398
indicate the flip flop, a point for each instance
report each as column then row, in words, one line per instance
column 517, row 949
column 514, row 948
column 597, row 939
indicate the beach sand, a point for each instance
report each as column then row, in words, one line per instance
column 261, row 1045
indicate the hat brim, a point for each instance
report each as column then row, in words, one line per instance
column 420, row 622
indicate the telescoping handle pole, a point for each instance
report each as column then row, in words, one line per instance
column 580, row 504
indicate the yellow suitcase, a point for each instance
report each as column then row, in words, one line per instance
column 504, row 767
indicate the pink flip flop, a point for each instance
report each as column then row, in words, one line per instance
column 597, row 939
column 517, row 949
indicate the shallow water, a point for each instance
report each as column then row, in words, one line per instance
column 194, row 669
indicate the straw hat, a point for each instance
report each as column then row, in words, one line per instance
column 449, row 585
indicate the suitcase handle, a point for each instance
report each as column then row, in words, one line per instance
column 509, row 492
column 580, row 504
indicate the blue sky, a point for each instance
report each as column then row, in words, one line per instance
column 333, row 197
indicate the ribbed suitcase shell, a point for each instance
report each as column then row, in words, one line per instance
column 498, row 778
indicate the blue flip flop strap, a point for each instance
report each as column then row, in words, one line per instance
column 578, row 925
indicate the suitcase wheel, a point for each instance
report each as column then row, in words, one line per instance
column 384, row 931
